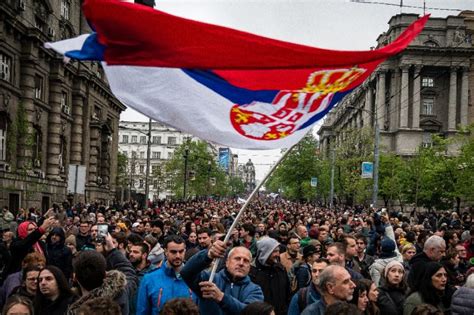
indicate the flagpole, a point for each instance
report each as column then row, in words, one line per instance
column 244, row 206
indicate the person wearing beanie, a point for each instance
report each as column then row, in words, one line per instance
column 271, row 276
column 392, row 292
column 388, row 253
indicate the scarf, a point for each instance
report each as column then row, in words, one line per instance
column 23, row 233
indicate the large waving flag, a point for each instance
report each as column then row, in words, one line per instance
column 226, row 86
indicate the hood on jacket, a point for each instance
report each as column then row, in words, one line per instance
column 113, row 285
column 264, row 249
column 56, row 231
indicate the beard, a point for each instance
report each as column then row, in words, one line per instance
column 136, row 262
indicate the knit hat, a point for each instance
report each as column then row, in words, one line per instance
column 390, row 265
column 309, row 250
column 408, row 246
column 387, row 248
column 265, row 247
column 465, row 236
column 156, row 255
column 70, row 240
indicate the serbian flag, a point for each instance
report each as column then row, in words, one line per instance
column 223, row 85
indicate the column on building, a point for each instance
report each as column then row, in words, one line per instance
column 94, row 151
column 368, row 105
column 404, row 98
column 464, row 96
column 54, row 129
column 380, row 99
column 77, row 123
column 27, row 85
column 452, row 99
column 416, row 97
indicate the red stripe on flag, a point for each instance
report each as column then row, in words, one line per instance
column 142, row 36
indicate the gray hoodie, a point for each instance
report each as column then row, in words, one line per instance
column 265, row 247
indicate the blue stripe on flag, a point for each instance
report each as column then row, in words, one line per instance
column 91, row 50
column 236, row 95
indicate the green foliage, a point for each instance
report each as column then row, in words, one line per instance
column 292, row 178
column 236, row 186
column 202, row 165
column 122, row 162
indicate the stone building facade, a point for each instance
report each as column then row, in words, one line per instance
column 422, row 91
column 52, row 114
column 246, row 172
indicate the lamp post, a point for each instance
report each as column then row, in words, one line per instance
column 185, row 156
column 376, row 127
column 147, row 171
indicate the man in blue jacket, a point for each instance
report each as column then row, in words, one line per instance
column 165, row 283
column 231, row 290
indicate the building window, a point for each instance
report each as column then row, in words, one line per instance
column 142, row 168
column 170, row 155
column 142, row 155
column 142, row 139
column 134, row 154
column 171, row 140
column 427, row 106
column 125, row 153
column 141, row 184
column 40, row 24
column 134, row 139
column 156, row 155
column 38, row 87
column 427, row 140
column 156, row 139
column 3, row 136
column 125, row 139
column 64, row 104
column 65, row 9
column 5, row 67
column 427, row 82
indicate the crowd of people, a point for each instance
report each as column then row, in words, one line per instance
column 283, row 258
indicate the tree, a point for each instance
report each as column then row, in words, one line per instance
column 122, row 177
column 159, row 177
column 392, row 179
column 236, row 185
column 201, row 168
column 292, row 178
column 355, row 147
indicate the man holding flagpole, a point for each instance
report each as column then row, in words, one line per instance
column 232, row 290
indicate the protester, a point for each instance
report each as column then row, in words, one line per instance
column 231, row 289
column 336, row 285
column 29, row 284
column 434, row 250
column 258, row 308
column 360, row 297
column 310, row 294
column 111, row 277
column 180, row 306
column 462, row 301
column 165, row 283
column 100, row 306
column 392, row 292
column 292, row 253
column 54, row 295
column 372, row 295
column 432, row 290
column 58, row 253
column 16, row 305
column 28, row 240
column 271, row 276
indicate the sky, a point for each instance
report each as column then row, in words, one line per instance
column 332, row 24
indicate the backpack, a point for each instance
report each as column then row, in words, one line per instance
column 302, row 299
column 292, row 276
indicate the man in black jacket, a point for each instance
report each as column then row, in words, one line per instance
column 58, row 254
column 271, row 276
column 112, row 277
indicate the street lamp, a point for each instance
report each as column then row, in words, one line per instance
column 376, row 151
column 185, row 156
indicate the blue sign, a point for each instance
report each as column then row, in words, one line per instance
column 224, row 159
column 314, row 181
column 367, row 170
